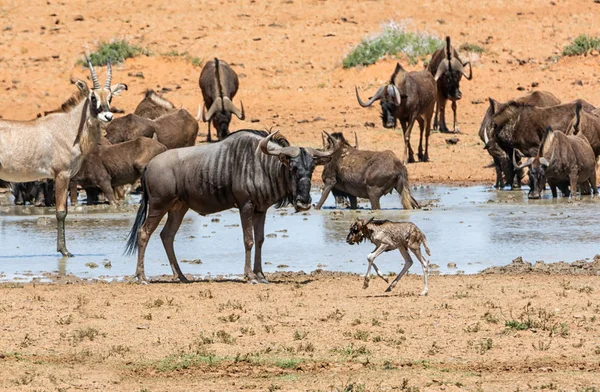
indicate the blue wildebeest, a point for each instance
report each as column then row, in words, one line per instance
column 246, row 170
column 53, row 146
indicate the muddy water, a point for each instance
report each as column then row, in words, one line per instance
column 473, row 227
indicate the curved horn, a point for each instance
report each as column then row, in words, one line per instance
column 230, row 107
column 275, row 149
column 486, row 138
column 323, row 141
column 325, row 154
column 108, row 74
column 211, row 111
column 93, row 73
column 393, row 91
column 355, row 140
column 516, row 165
column 373, row 98
column 443, row 67
column 470, row 70
column 200, row 114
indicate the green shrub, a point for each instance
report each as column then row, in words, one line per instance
column 581, row 45
column 392, row 40
column 117, row 51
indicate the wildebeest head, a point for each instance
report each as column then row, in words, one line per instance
column 220, row 114
column 300, row 163
column 100, row 97
column 390, row 97
column 537, row 174
column 358, row 231
column 449, row 73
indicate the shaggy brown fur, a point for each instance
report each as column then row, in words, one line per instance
column 366, row 174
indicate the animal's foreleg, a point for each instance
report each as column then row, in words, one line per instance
column 167, row 235
column 326, row 189
column 379, row 274
column 573, row 183
column 421, row 133
column 60, row 188
column 454, row 111
column 246, row 213
column 371, row 258
column 407, row 146
column 407, row 264
column 258, row 222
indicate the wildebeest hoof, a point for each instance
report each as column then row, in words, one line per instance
column 365, row 285
column 424, row 293
column 264, row 281
column 252, row 281
column 183, row 279
column 388, row 289
column 411, row 159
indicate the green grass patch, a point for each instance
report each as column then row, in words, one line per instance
column 194, row 60
column 473, row 48
column 393, row 39
column 116, row 50
column 581, row 45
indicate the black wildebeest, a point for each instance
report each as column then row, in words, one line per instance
column 564, row 161
column 177, row 128
column 502, row 162
column 54, row 146
column 109, row 166
column 522, row 126
column 367, row 174
column 447, row 69
column 587, row 123
column 153, row 106
column 246, row 170
column 408, row 97
column 219, row 84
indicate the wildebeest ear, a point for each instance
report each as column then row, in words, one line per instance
column 118, row 88
column 285, row 160
column 493, row 104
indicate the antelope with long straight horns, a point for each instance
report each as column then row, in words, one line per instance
column 53, row 146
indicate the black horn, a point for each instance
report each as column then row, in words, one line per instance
column 373, row 98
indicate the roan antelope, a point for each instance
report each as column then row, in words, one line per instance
column 53, row 146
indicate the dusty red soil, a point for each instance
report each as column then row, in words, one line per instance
column 305, row 333
column 289, row 55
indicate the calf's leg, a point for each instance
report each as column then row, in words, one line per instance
column 425, row 264
column 407, row 264
column 371, row 258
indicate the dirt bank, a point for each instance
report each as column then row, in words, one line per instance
column 303, row 332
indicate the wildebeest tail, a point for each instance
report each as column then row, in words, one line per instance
column 408, row 201
column 448, row 53
column 140, row 218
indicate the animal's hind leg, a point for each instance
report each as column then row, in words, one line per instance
column 167, row 235
column 371, row 258
column 454, row 111
column 407, row 264
column 258, row 222
column 144, row 233
column 424, row 264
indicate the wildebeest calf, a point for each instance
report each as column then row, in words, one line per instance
column 387, row 236
column 39, row 193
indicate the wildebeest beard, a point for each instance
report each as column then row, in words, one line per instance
column 387, row 114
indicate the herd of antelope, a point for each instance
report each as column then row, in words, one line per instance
column 80, row 144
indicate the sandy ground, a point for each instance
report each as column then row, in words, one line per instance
column 288, row 54
column 317, row 332
column 302, row 332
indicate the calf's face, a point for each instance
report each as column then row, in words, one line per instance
column 355, row 235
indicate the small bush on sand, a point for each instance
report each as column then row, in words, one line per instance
column 116, row 50
column 581, row 45
column 392, row 40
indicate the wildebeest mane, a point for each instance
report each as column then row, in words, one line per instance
column 277, row 139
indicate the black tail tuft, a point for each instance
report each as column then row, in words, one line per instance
column 140, row 218
column 448, row 55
